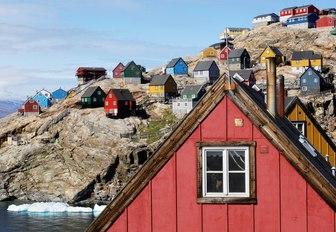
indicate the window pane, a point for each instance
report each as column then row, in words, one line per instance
column 214, row 160
column 214, row 182
column 237, row 182
column 236, row 160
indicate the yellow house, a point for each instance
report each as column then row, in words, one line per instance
column 301, row 60
column 302, row 119
column 163, row 86
column 208, row 52
column 271, row 51
column 71, row 92
column 232, row 32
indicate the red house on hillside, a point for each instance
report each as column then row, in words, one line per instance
column 117, row 70
column 30, row 107
column 120, row 103
column 230, row 165
column 325, row 22
column 307, row 9
column 86, row 74
column 223, row 54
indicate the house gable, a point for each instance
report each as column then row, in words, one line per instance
column 165, row 189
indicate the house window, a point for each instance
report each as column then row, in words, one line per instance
column 114, row 103
column 106, row 103
column 297, row 62
column 126, row 103
column 211, row 53
column 193, row 96
column 186, row 104
column 94, row 99
column 304, row 88
column 304, row 80
column 161, row 87
column 184, row 96
column 99, row 92
column 300, row 126
column 110, row 95
column 267, row 51
column 310, row 73
column 315, row 80
column 226, row 172
column 200, row 72
column 178, row 104
column 115, row 73
column 120, row 67
column 156, row 87
column 35, row 107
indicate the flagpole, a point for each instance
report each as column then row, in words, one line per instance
column 227, row 57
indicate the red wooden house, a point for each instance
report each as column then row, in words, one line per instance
column 120, row 103
column 326, row 22
column 86, row 74
column 223, row 54
column 307, row 9
column 30, row 107
column 231, row 165
column 117, row 70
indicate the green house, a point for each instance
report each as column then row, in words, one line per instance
column 132, row 73
column 93, row 97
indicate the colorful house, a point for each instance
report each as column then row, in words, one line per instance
column 223, row 54
column 239, row 59
column 93, row 97
column 326, row 21
column 232, row 32
column 301, row 60
column 286, row 13
column 119, row 103
column 311, row 82
column 271, row 51
column 221, row 45
column 244, row 75
column 163, row 86
column 303, row 21
column 208, row 53
column 206, row 72
column 230, row 165
column 43, row 98
column 177, row 66
column 71, row 93
column 190, row 96
column 59, row 94
column 132, row 73
column 86, row 74
column 265, row 20
column 304, row 121
column 118, row 70
column 307, row 9
column 30, row 107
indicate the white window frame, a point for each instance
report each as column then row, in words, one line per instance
column 226, row 192
column 303, row 124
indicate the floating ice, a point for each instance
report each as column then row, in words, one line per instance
column 48, row 207
column 99, row 208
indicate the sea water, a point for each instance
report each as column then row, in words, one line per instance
column 41, row 216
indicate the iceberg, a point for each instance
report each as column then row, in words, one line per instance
column 48, row 207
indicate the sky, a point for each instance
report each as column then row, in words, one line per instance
column 42, row 43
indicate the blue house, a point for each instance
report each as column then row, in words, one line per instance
column 303, row 21
column 311, row 82
column 42, row 99
column 59, row 94
column 177, row 66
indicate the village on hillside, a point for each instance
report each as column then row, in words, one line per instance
column 225, row 79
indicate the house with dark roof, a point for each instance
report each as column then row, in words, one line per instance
column 177, row 66
column 93, row 97
column 303, row 21
column 302, row 118
column 163, row 87
column 239, row 59
column 132, row 73
column 117, row 71
column 189, row 97
column 119, row 103
column 271, row 51
column 286, row 13
column 311, row 82
column 86, row 74
column 232, row 162
column 209, row 52
column 301, row 60
column 244, row 75
column 306, row 9
column 220, row 45
column 265, row 20
column 206, row 72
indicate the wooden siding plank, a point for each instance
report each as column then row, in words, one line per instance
column 215, row 217
column 121, row 224
column 189, row 216
column 240, row 218
column 320, row 215
column 139, row 212
column 267, row 211
column 293, row 199
column 164, row 198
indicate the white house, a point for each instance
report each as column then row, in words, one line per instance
column 265, row 20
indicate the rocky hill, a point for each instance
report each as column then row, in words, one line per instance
column 78, row 155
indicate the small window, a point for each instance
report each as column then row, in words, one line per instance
column 156, row 87
column 200, row 72
column 184, row 96
column 110, row 95
column 315, row 80
column 297, row 62
column 267, row 51
column 99, row 92
column 301, row 127
column 120, row 67
column 35, row 107
column 106, row 103
column 186, row 104
column 310, row 72
column 226, row 172
column 115, row 73
column 193, row 96
column 114, row 103
column 304, row 80
column 304, row 88
column 94, row 99
column 178, row 104
column 211, row 53
column 126, row 103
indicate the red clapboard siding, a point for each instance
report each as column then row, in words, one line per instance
column 121, row 224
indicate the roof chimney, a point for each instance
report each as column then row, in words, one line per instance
column 280, row 90
column 271, row 85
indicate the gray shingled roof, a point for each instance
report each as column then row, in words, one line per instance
column 90, row 91
column 303, row 55
column 159, row 79
column 173, row 62
column 276, row 51
column 236, row 53
column 244, row 73
column 203, row 65
column 265, row 15
column 289, row 8
column 93, row 68
column 123, row 94
column 191, row 89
